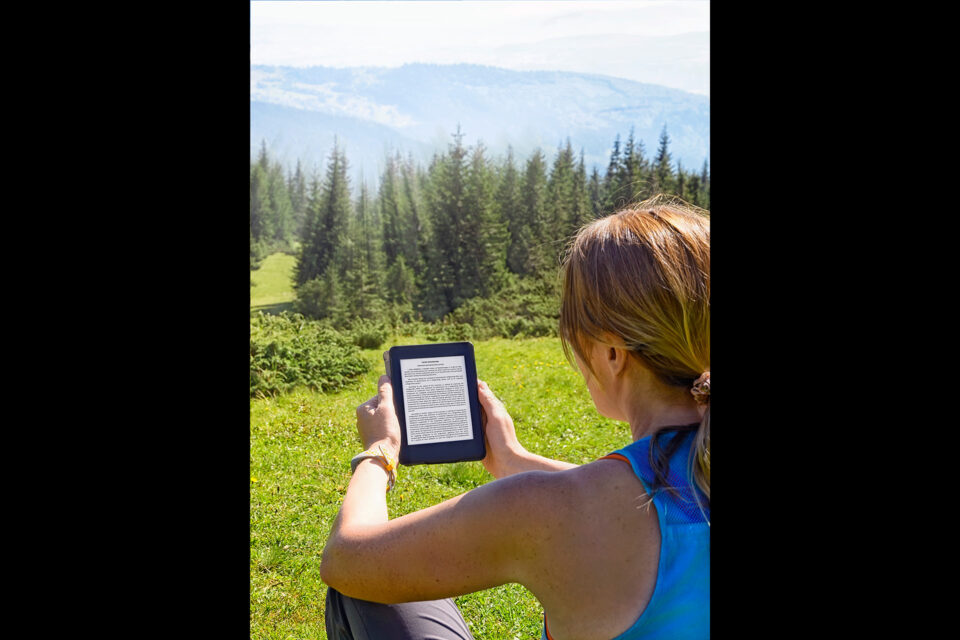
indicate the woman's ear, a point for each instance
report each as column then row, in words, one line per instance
column 615, row 354
column 617, row 360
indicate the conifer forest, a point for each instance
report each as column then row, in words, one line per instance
column 469, row 239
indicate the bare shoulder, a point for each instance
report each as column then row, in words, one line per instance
column 595, row 487
column 600, row 500
column 597, row 544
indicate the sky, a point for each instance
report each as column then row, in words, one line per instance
column 663, row 42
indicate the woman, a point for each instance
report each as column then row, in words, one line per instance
column 617, row 548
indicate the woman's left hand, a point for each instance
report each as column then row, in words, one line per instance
column 377, row 418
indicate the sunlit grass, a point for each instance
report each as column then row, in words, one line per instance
column 300, row 447
column 272, row 284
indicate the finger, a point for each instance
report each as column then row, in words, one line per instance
column 385, row 389
column 368, row 406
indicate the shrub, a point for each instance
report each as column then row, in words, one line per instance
column 321, row 298
column 288, row 350
column 368, row 334
column 523, row 308
column 457, row 332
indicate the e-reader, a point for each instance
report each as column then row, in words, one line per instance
column 435, row 395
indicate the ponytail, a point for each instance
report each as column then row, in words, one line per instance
column 700, row 451
column 701, row 442
column 698, row 464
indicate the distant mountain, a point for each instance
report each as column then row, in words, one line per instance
column 415, row 109
column 679, row 61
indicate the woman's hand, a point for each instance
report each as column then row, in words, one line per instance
column 377, row 418
column 503, row 448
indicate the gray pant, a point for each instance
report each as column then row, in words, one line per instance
column 351, row 619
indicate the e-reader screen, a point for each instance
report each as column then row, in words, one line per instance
column 435, row 399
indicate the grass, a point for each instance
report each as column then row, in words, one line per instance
column 271, row 286
column 300, row 446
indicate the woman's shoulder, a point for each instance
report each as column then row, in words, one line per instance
column 597, row 546
column 557, row 495
column 594, row 503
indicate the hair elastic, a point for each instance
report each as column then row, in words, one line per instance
column 701, row 388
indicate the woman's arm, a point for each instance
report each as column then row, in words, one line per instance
column 505, row 455
column 478, row 540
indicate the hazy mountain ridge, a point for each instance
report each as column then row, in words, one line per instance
column 415, row 108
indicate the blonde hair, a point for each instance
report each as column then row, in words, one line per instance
column 643, row 275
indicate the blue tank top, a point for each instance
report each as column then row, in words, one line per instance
column 680, row 605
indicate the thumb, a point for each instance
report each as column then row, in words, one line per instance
column 486, row 395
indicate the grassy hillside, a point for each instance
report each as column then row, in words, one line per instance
column 271, row 286
column 300, row 447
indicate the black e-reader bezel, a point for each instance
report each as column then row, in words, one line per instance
column 437, row 452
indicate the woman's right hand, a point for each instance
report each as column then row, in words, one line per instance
column 503, row 448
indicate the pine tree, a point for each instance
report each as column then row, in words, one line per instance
column 414, row 224
column 334, row 300
column 308, row 257
column 297, row 188
column 628, row 168
column 595, row 189
column 613, row 196
column 508, row 191
column 447, row 221
column 263, row 158
column 364, row 280
column 368, row 229
column 323, row 297
column 704, row 186
column 662, row 174
column 524, row 254
column 328, row 217
column 582, row 209
column 398, row 283
column 693, row 187
column 636, row 168
column 388, row 211
column 484, row 254
column 261, row 216
column 681, row 181
column 280, row 206
column 560, row 204
column 430, row 300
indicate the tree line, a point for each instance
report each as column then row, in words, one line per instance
column 430, row 238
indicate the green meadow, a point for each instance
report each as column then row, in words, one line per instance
column 271, row 286
column 301, row 443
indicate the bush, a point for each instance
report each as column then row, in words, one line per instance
column 322, row 298
column 310, row 300
column 368, row 334
column 523, row 308
column 457, row 332
column 288, row 350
